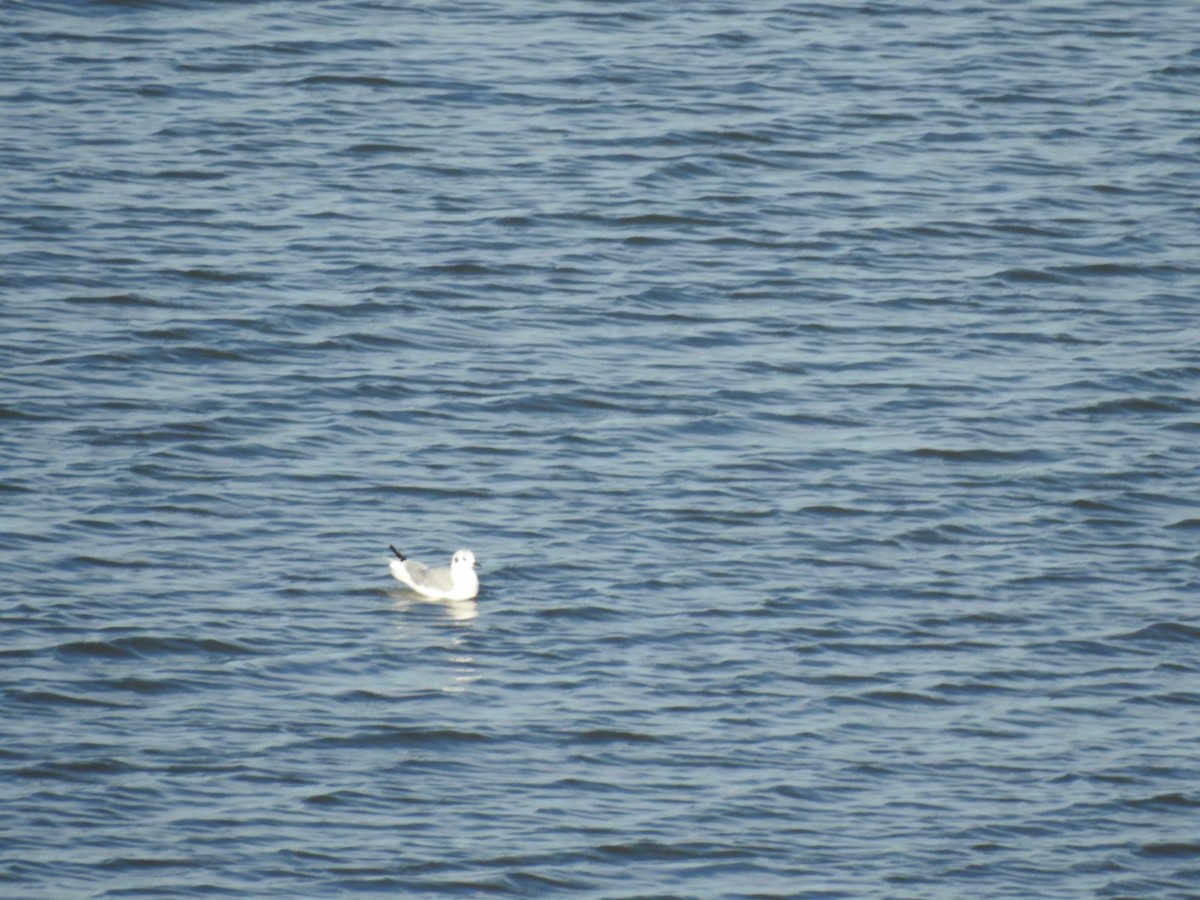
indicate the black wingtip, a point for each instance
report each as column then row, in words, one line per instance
column 399, row 555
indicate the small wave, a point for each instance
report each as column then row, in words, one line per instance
column 613, row 736
column 383, row 148
column 218, row 276
column 1174, row 698
column 78, row 769
column 404, row 736
column 1101, row 649
column 902, row 698
column 1172, row 850
column 337, row 798
column 146, row 686
column 100, row 561
column 1162, row 633
column 124, row 300
column 1032, row 276
column 980, row 455
column 1096, row 505
column 18, row 415
column 1132, row 405
column 1115, row 269
column 45, row 698
column 651, row 851
column 1172, row 801
column 830, row 509
column 940, row 534
column 372, row 81
column 153, row 645
column 190, row 175
column 124, row 863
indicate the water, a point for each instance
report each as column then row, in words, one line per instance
column 817, row 384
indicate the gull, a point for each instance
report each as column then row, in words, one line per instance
column 457, row 581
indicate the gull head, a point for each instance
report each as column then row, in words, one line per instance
column 463, row 559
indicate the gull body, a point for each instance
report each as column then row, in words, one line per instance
column 457, row 581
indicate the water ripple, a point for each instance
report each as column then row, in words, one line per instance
column 816, row 384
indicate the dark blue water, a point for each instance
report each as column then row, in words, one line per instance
column 818, row 384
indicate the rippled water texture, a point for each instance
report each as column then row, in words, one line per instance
column 817, row 384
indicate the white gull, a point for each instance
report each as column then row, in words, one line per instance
column 457, row 581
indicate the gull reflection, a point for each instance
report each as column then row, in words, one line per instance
column 441, row 660
column 458, row 610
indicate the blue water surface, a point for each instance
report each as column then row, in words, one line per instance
column 818, row 385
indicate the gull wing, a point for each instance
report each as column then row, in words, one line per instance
column 422, row 577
